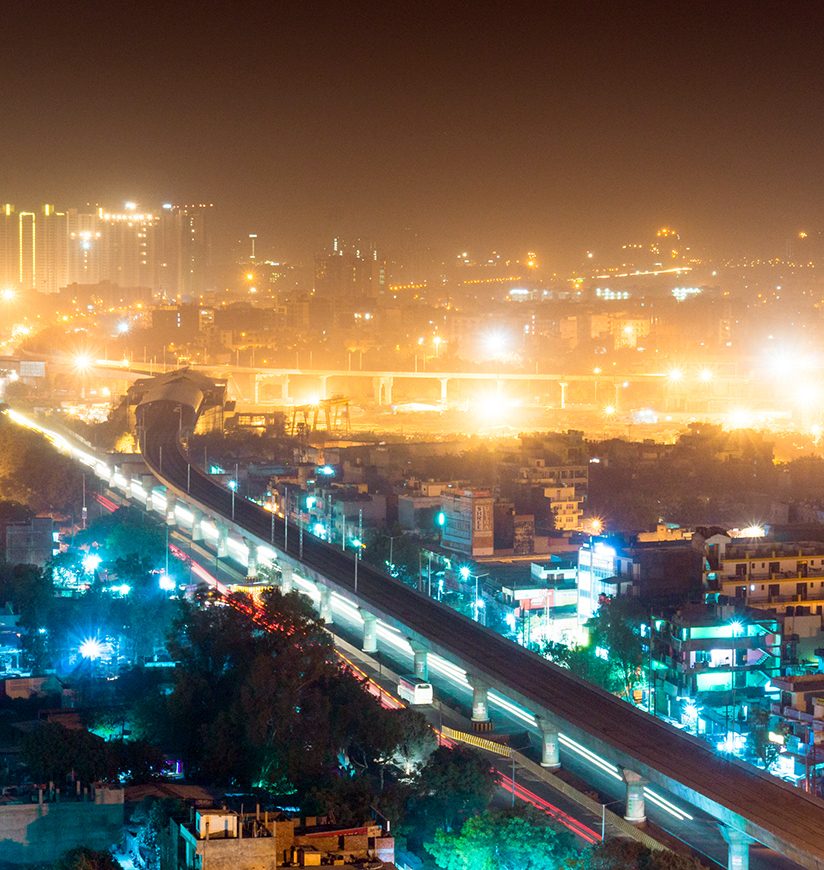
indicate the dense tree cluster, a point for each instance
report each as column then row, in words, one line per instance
column 614, row 657
column 33, row 474
column 273, row 709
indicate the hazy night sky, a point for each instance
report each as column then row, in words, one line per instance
column 526, row 127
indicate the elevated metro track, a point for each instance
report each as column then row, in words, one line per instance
column 745, row 800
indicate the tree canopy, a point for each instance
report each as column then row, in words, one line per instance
column 522, row 839
column 33, row 474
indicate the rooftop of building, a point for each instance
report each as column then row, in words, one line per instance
column 800, row 683
column 767, row 547
column 709, row 614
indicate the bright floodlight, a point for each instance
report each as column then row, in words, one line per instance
column 91, row 649
column 233, row 485
column 495, row 343
column 123, row 327
column 595, row 525
column 91, row 562
column 705, row 375
column 609, row 410
column 752, row 531
column 82, row 362
column 8, row 294
column 464, row 572
column 123, row 590
column 736, row 626
column 675, row 375
column 166, row 583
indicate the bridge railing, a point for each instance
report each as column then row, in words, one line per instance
column 613, row 820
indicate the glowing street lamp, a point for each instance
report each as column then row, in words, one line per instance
column 705, row 375
column 166, row 583
column 91, row 648
column 91, row 562
column 675, row 375
column 82, row 362
column 233, row 487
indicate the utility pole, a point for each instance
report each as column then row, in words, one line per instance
column 285, row 519
column 360, row 546
column 85, row 513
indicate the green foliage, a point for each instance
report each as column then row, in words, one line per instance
column 509, row 840
column 631, row 855
column 403, row 549
column 708, row 476
column 584, row 663
column 29, row 591
column 270, row 709
column 51, row 752
column 156, row 814
column 617, row 627
column 453, row 785
column 758, row 739
column 33, row 473
column 127, row 534
column 83, row 858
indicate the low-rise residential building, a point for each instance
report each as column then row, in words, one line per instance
column 658, row 572
column 31, row 543
column 543, row 605
column 768, row 574
column 798, row 725
column 713, row 660
column 41, row 826
column 221, row 839
column 468, row 522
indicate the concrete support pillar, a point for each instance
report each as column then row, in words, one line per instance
column 284, row 387
column 635, row 810
column 421, row 654
column 256, row 388
column 388, row 385
column 738, row 854
column 370, row 631
column 377, row 392
column 197, row 525
column 325, row 604
column 287, row 583
column 444, row 390
column 550, row 743
column 171, row 504
column 222, row 540
column 324, row 386
column 251, row 559
column 480, row 703
column 563, row 385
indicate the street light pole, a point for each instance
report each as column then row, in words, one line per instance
column 513, row 780
column 285, row 519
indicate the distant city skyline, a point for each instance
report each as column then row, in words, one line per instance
column 548, row 128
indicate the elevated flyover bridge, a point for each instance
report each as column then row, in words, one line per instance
column 658, row 764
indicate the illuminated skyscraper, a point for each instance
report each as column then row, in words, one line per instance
column 183, row 238
column 348, row 276
column 9, row 264
column 83, row 247
column 26, row 250
column 51, row 250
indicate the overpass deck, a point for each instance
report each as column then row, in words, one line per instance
column 736, row 794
